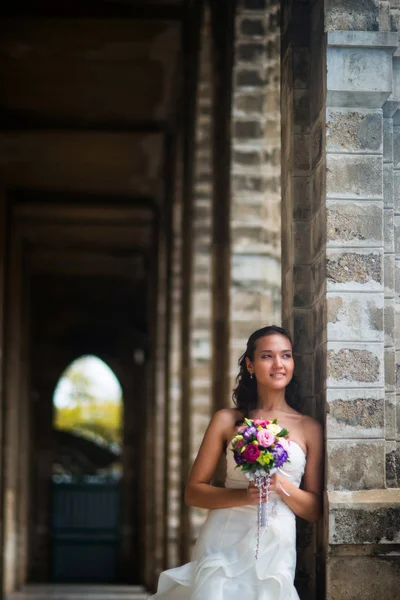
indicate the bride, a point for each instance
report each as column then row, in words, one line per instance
column 223, row 564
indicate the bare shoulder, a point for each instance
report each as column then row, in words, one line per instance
column 313, row 432
column 225, row 418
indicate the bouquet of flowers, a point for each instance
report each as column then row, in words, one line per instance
column 260, row 448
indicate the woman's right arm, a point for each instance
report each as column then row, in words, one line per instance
column 198, row 490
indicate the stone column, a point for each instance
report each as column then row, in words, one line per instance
column 338, row 288
column 255, row 174
column 201, row 332
column 12, row 414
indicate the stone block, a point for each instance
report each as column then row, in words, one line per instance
column 389, row 323
column 304, row 369
column 254, row 53
column 388, row 183
column 318, row 231
column 390, row 369
column 391, row 464
column 302, row 242
column 251, row 78
column 363, row 578
column 319, row 187
column 397, row 235
column 365, row 517
column 354, row 176
column 260, row 5
column 301, row 111
column 301, row 154
column 355, row 465
column 301, row 66
column 397, row 279
column 388, row 270
column 390, row 416
column 352, row 78
column 318, row 271
column 351, row 364
column 319, row 311
column 343, row 15
column 248, row 130
column 354, row 223
column 387, row 140
column 354, row 130
column 320, row 369
column 396, row 190
column 252, row 27
column 388, row 230
column 303, row 286
column 301, row 198
column 354, row 271
column 357, row 317
column 303, row 330
column 247, row 104
column 317, row 142
column 396, row 146
column 355, row 414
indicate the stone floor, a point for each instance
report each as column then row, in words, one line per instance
column 79, row 592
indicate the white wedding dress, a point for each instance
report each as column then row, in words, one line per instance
column 224, row 566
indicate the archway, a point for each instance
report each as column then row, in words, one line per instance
column 87, row 470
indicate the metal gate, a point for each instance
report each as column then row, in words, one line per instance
column 85, row 532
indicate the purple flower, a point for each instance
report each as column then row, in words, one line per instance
column 249, row 431
column 238, row 456
column 280, row 455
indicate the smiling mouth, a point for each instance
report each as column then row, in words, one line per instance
column 277, row 375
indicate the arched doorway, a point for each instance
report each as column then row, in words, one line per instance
column 86, row 474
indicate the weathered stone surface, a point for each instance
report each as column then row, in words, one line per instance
column 301, row 65
column 354, row 223
column 301, row 110
column 354, row 270
column 390, row 369
column 355, row 364
column 354, row 131
column 253, row 53
column 356, row 578
column 253, row 27
column 357, row 317
column 396, row 190
column 301, row 154
column 390, row 416
column 387, row 140
column 250, row 78
column 365, row 516
column 355, row 465
column 352, row 15
column 351, row 176
column 389, row 323
column 351, row 78
column 391, row 464
column 302, row 198
column 389, row 265
column 388, row 183
column 355, row 414
column 303, row 241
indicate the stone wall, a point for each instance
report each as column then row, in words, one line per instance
column 255, row 216
column 339, row 285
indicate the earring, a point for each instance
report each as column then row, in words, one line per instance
column 251, row 375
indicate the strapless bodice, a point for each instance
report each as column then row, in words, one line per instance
column 294, row 467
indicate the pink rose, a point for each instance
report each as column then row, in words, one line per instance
column 265, row 437
column 242, row 428
column 261, row 422
column 251, row 453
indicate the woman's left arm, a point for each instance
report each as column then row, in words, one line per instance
column 305, row 503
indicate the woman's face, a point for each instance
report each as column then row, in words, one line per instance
column 273, row 363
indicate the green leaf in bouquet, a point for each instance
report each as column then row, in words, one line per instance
column 282, row 433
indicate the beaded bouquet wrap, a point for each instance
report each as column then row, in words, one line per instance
column 260, row 448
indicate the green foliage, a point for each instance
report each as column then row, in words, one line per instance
column 100, row 420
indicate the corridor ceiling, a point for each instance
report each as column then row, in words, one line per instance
column 88, row 90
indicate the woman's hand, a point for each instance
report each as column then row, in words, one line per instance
column 253, row 494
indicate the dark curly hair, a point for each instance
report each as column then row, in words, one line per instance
column 245, row 395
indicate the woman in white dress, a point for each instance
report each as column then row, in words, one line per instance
column 223, row 565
